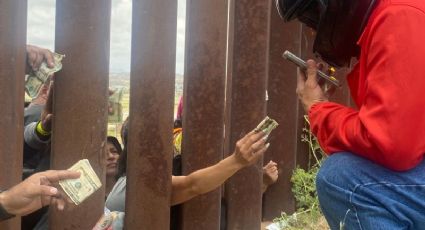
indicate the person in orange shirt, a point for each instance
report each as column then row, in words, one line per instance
column 374, row 177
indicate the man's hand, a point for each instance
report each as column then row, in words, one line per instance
column 250, row 148
column 36, row 55
column 36, row 192
column 308, row 89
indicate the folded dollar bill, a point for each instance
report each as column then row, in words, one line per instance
column 267, row 125
column 36, row 79
column 79, row 189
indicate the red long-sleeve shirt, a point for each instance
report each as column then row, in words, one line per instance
column 388, row 86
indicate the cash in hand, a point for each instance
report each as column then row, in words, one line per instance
column 36, row 79
column 88, row 183
column 267, row 125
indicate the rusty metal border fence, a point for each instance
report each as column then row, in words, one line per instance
column 204, row 89
column 234, row 76
column 12, row 67
column 80, row 100
column 151, row 114
column 249, row 45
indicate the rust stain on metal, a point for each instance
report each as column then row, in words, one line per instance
column 12, row 66
column 151, row 114
column 203, row 113
column 282, row 106
column 249, row 60
column 80, row 125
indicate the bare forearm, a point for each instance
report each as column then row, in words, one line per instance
column 203, row 180
column 248, row 150
column 207, row 179
column 4, row 211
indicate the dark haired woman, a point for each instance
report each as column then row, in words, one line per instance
column 247, row 151
column 113, row 151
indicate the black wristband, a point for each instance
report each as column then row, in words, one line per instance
column 4, row 215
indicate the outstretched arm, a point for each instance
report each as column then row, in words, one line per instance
column 248, row 150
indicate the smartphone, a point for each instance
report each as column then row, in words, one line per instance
column 303, row 65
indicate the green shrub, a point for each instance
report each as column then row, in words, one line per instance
column 308, row 214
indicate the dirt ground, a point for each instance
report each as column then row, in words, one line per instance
column 321, row 225
column 265, row 224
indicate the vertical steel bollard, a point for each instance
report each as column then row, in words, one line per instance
column 151, row 114
column 306, row 52
column 282, row 105
column 13, row 20
column 248, row 60
column 203, row 119
column 80, row 100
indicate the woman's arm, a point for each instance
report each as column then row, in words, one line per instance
column 248, row 150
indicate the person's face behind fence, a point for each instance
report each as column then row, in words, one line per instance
column 111, row 159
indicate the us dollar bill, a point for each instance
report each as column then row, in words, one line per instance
column 32, row 86
column 88, row 183
column 36, row 79
column 267, row 125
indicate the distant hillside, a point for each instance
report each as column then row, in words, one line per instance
column 119, row 80
column 122, row 80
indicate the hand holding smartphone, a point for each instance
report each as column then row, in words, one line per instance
column 303, row 65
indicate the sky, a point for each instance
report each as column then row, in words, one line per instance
column 41, row 31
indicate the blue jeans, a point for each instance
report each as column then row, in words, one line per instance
column 360, row 194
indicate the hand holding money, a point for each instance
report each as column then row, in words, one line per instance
column 253, row 145
column 80, row 189
column 36, row 192
column 36, row 55
column 110, row 221
column 267, row 125
column 42, row 74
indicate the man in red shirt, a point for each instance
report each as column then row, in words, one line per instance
column 374, row 177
